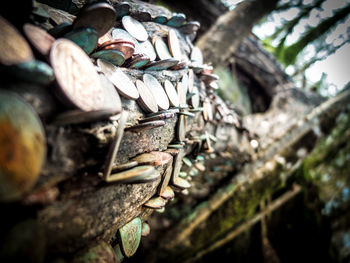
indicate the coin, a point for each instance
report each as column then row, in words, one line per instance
column 122, row 9
column 146, row 229
column 174, row 44
column 145, row 159
column 196, row 55
column 135, row 28
column 190, row 27
column 114, row 57
column 14, row 49
column 148, row 50
column 155, row 203
column 105, row 38
column 120, row 80
column 195, row 99
column 162, row 64
column 177, row 20
column 127, row 48
column 168, row 193
column 119, row 257
column 162, row 49
column 112, row 100
column 86, row 38
column 185, row 83
column 160, row 116
column 157, row 90
column 208, row 78
column 181, row 128
column 180, row 65
column 60, row 30
column 124, row 166
column 190, row 80
column 69, row 64
column 79, row 116
column 139, row 174
column 175, row 146
column 208, row 111
column 130, row 236
column 182, row 94
column 173, row 110
column 23, row 147
column 146, row 126
column 181, row 183
column 172, row 94
column 39, row 38
column 146, row 100
column 165, row 178
column 162, row 158
column 118, row 33
column 99, row 16
column 161, row 19
column 137, row 61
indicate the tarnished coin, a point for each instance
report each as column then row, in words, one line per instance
column 182, row 94
column 155, row 203
column 177, row 20
column 97, row 251
column 146, row 100
column 165, row 178
column 79, row 116
column 135, row 28
column 139, row 174
column 23, row 147
column 161, row 19
column 162, row 49
column 60, row 30
column 208, row 78
column 174, row 44
column 185, row 83
column 146, row 126
column 99, row 16
column 130, row 236
column 208, row 111
column 120, row 80
column 69, row 64
column 190, row 27
column 39, row 38
column 162, row 64
column 168, row 193
column 125, row 47
column 122, row 9
column 137, row 61
column 105, row 38
column 119, row 257
column 160, row 116
column 118, row 33
column 172, row 94
column 181, row 183
column 124, row 166
column 14, row 49
column 196, row 55
column 86, row 38
column 114, row 57
column 157, row 90
column 148, row 49
column 162, row 158
column 146, row 229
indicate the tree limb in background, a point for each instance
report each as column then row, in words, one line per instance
column 224, row 37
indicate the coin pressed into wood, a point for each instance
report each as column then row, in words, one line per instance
column 177, row 20
column 130, row 236
column 99, row 16
column 79, row 116
column 181, row 183
column 137, row 61
column 69, row 63
column 166, row 179
column 196, row 55
column 174, row 44
column 182, row 94
column 114, row 57
column 86, row 38
column 155, row 203
column 160, row 116
column 157, row 90
column 14, row 49
column 139, row 174
column 162, row 49
column 120, row 80
column 135, row 28
column 168, row 193
column 112, row 100
column 146, row 126
column 172, row 94
column 146, row 229
column 119, row 257
column 124, row 166
column 145, row 159
column 146, row 100
column 39, row 38
column 162, row 64
column 148, row 49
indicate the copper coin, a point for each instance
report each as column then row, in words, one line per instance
column 139, row 174
column 146, row 100
column 126, row 48
column 162, row 49
column 155, row 203
column 196, row 55
column 146, row 126
column 174, row 44
column 181, row 93
column 168, row 193
column 120, row 80
column 99, row 16
column 112, row 56
column 137, row 61
column 130, row 236
column 14, row 49
column 39, row 38
column 162, row 64
column 148, row 49
column 76, row 75
column 157, row 90
column 172, row 94
column 135, row 28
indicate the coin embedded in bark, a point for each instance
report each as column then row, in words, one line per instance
column 145, row 158
column 160, row 116
column 181, row 183
column 161, row 19
column 196, row 55
column 146, row 126
column 177, row 20
column 208, row 111
column 137, row 61
column 14, row 49
column 23, row 146
column 155, row 203
column 118, row 33
column 157, row 90
column 130, row 236
column 79, row 116
column 112, row 100
column 172, row 94
column 120, row 80
column 166, row 178
column 39, row 38
column 126, row 47
column 146, row 229
column 148, row 50
column 168, row 193
column 195, row 99
column 185, row 83
column 135, row 28
column 119, row 257
column 146, row 100
column 86, row 38
column 181, row 128
column 69, row 64
column 190, row 80
column 122, row 9
column 162, row 49
column 139, row 174
column 174, row 44
column 99, row 16
column 182, row 94
column 114, row 57
column 190, row 27
column 162, row 64
column 124, row 166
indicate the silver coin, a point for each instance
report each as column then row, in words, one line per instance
column 162, row 49
column 135, row 28
column 157, row 90
column 148, row 49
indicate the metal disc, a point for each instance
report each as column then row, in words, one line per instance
column 14, row 49
column 181, row 128
column 86, row 38
column 146, row 100
column 145, row 159
column 120, row 80
column 79, row 116
column 162, row 49
column 130, row 236
column 172, row 94
column 146, row 126
column 76, row 76
column 181, row 183
column 124, row 166
column 135, row 28
column 39, row 38
column 155, row 203
column 137, row 62
column 196, row 55
column 148, row 50
column 112, row 100
column 146, row 229
column 190, row 27
column 177, row 20
column 114, row 57
column 23, row 146
column 168, row 193
column 166, row 178
column 99, row 16
column 174, row 44
column 182, row 94
column 139, row 174
column 162, row 64
column 157, row 90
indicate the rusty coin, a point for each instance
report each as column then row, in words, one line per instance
column 39, row 38
column 146, row 100
column 130, row 236
column 135, row 28
column 76, row 76
column 157, row 90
